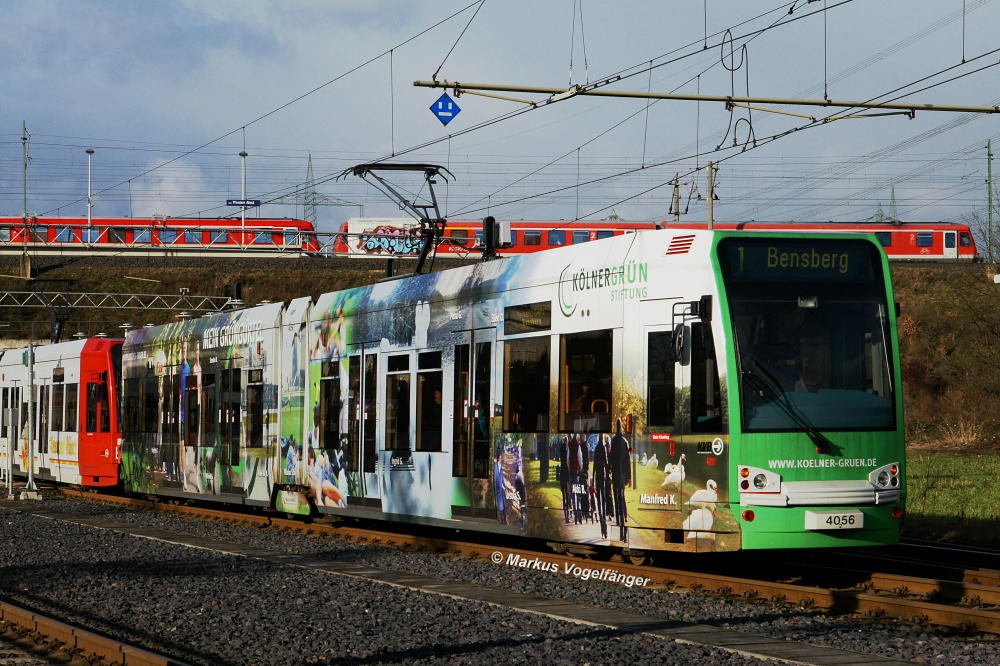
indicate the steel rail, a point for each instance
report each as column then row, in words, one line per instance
column 839, row 601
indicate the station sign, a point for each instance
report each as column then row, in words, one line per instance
column 245, row 203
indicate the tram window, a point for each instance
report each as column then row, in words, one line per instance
column 191, row 414
column 557, row 237
column 399, row 363
column 4, row 414
column 193, row 237
column 371, row 385
column 255, row 410
column 526, row 385
column 605, row 234
column 353, row 420
column 140, row 235
column 585, row 382
column 581, row 237
column 209, row 415
column 171, row 413
column 460, row 435
column 98, row 416
column 72, row 423
column 167, row 235
column 330, row 405
column 964, row 239
column 706, row 393
column 58, row 398
column 43, row 419
column 229, row 422
column 150, row 405
column 884, row 237
column 430, row 401
column 660, row 379
column 532, row 237
column 925, row 239
column 216, row 237
column 64, row 234
column 397, row 408
column 116, row 235
column 482, row 411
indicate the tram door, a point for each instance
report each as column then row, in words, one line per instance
column 472, row 395
column 660, row 371
column 362, row 402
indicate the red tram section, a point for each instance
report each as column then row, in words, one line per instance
column 173, row 236
column 69, row 395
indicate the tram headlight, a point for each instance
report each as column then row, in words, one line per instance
column 760, row 482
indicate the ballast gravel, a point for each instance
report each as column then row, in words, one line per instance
column 211, row 608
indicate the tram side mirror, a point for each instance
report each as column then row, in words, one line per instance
column 628, row 423
column 680, row 342
column 705, row 307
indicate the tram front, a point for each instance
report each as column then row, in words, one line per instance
column 817, row 455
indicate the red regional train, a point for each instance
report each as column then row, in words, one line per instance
column 158, row 237
column 73, row 408
column 382, row 237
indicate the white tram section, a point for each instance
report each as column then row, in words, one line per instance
column 56, row 370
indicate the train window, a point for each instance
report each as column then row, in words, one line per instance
column 605, row 234
column 290, row 238
column 964, row 239
column 585, row 382
column 479, row 237
column 5, row 235
column 532, row 237
column 64, row 234
column 526, row 385
column 949, row 239
column 660, row 379
column 557, row 237
column 40, row 234
column 330, row 405
column 91, row 234
column 72, row 422
column 255, row 410
column 140, row 235
column 925, row 239
column 167, row 235
column 461, row 435
column 430, row 401
column 370, row 387
column 209, row 415
column 190, row 414
column 217, row 237
column 884, row 237
column 116, row 235
column 581, row 237
column 262, row 238
column 193, row 237
column 706, row 393
column 58, row 398
column 513, row 236
column 397, row 411
column 459, row 234
column 98, row 414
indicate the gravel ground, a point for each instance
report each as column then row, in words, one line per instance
column 235, row 610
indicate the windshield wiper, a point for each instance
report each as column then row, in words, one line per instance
column 767, row 385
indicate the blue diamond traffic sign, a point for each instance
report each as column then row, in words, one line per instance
column 445, row 109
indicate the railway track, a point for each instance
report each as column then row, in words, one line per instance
column 36, row 638
column 965, row 600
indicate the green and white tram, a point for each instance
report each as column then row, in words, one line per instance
column 663, row 390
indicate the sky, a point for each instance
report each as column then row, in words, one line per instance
column 168, row 93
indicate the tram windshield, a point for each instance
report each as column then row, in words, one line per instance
column 811, row 333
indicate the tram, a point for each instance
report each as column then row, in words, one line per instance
column 665, row 390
